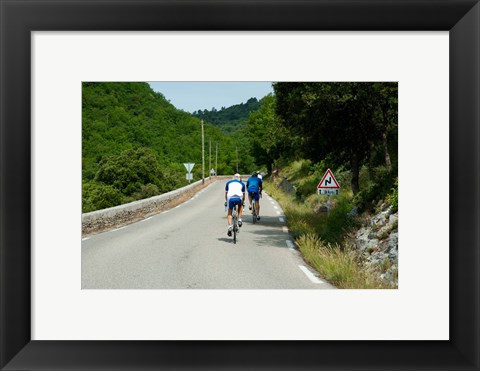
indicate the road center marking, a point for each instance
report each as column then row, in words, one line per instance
column 281, row 220
column 310, row 275
column 290, row 245
column 285, row 229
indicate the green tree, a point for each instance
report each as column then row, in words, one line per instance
column 333, row 121
column 269, row 140
column 130, row 170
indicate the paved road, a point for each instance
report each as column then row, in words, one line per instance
column 187, row 247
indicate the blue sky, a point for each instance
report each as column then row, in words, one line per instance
column 192, row 96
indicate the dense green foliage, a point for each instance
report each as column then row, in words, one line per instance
column 348, row 124
column 229, row 119
column 134, row 144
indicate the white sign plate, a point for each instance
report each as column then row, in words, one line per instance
column 323, row 191
column 189, row 166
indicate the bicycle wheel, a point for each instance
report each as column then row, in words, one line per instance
column 235, row 224
column 254, row 211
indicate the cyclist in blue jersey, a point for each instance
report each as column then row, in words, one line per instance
column 254, row 189
column 234, row 194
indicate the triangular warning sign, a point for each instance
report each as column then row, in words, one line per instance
column 328, row 181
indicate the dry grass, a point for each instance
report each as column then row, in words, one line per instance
column 339, row 265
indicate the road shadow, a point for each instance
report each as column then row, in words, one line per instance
column 267, row 220
column 272, row 237
column 225, row 239
column 268, row 231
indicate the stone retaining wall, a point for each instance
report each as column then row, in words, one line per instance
column 101, row 220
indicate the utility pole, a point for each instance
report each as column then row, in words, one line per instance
column 203, row 156
column 216, row 159
column 210, row 159
column 237, row 158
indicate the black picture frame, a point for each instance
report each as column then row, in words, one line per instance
column 18, row 18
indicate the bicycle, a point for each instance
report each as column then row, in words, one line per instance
column 254, row 210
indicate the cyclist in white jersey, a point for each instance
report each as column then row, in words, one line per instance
column 234, row 194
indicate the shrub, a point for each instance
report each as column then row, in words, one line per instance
column 375, row 186
column 393, row 197
column 146, row 191
column 338, row 222
column 96, row 196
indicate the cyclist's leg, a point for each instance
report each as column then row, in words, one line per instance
column 240, row 209
column 236, row 222
column 229, row 217
column 240, row 212
column 250, row 200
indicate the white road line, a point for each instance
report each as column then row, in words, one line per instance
column 86, row 238
column 118, row 229
column 275, row 207
column 144, row 220
column 278, row 212
column 310, row 275
column 285, row 229
column 281, row 220
column 290, row 245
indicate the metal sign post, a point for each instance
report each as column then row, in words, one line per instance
column 189, row 166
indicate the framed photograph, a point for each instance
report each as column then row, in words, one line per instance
column 45, row 324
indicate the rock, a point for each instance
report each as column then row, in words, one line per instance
column 362, row 238
column 393, row 241
column 372, row 244
column 378, row 242
column 353, row 213
column 379, row 219
column 393, row 219
column 383, row 232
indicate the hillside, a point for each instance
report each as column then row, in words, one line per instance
column 134, row 144
column 229, row 120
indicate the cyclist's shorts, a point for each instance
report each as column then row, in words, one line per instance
column 255, row 195
column 234, row 201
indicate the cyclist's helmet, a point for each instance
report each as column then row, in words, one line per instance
column 254, row 173
column 236, row 176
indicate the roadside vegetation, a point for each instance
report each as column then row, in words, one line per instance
column 326, row 240
column 305, row 128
